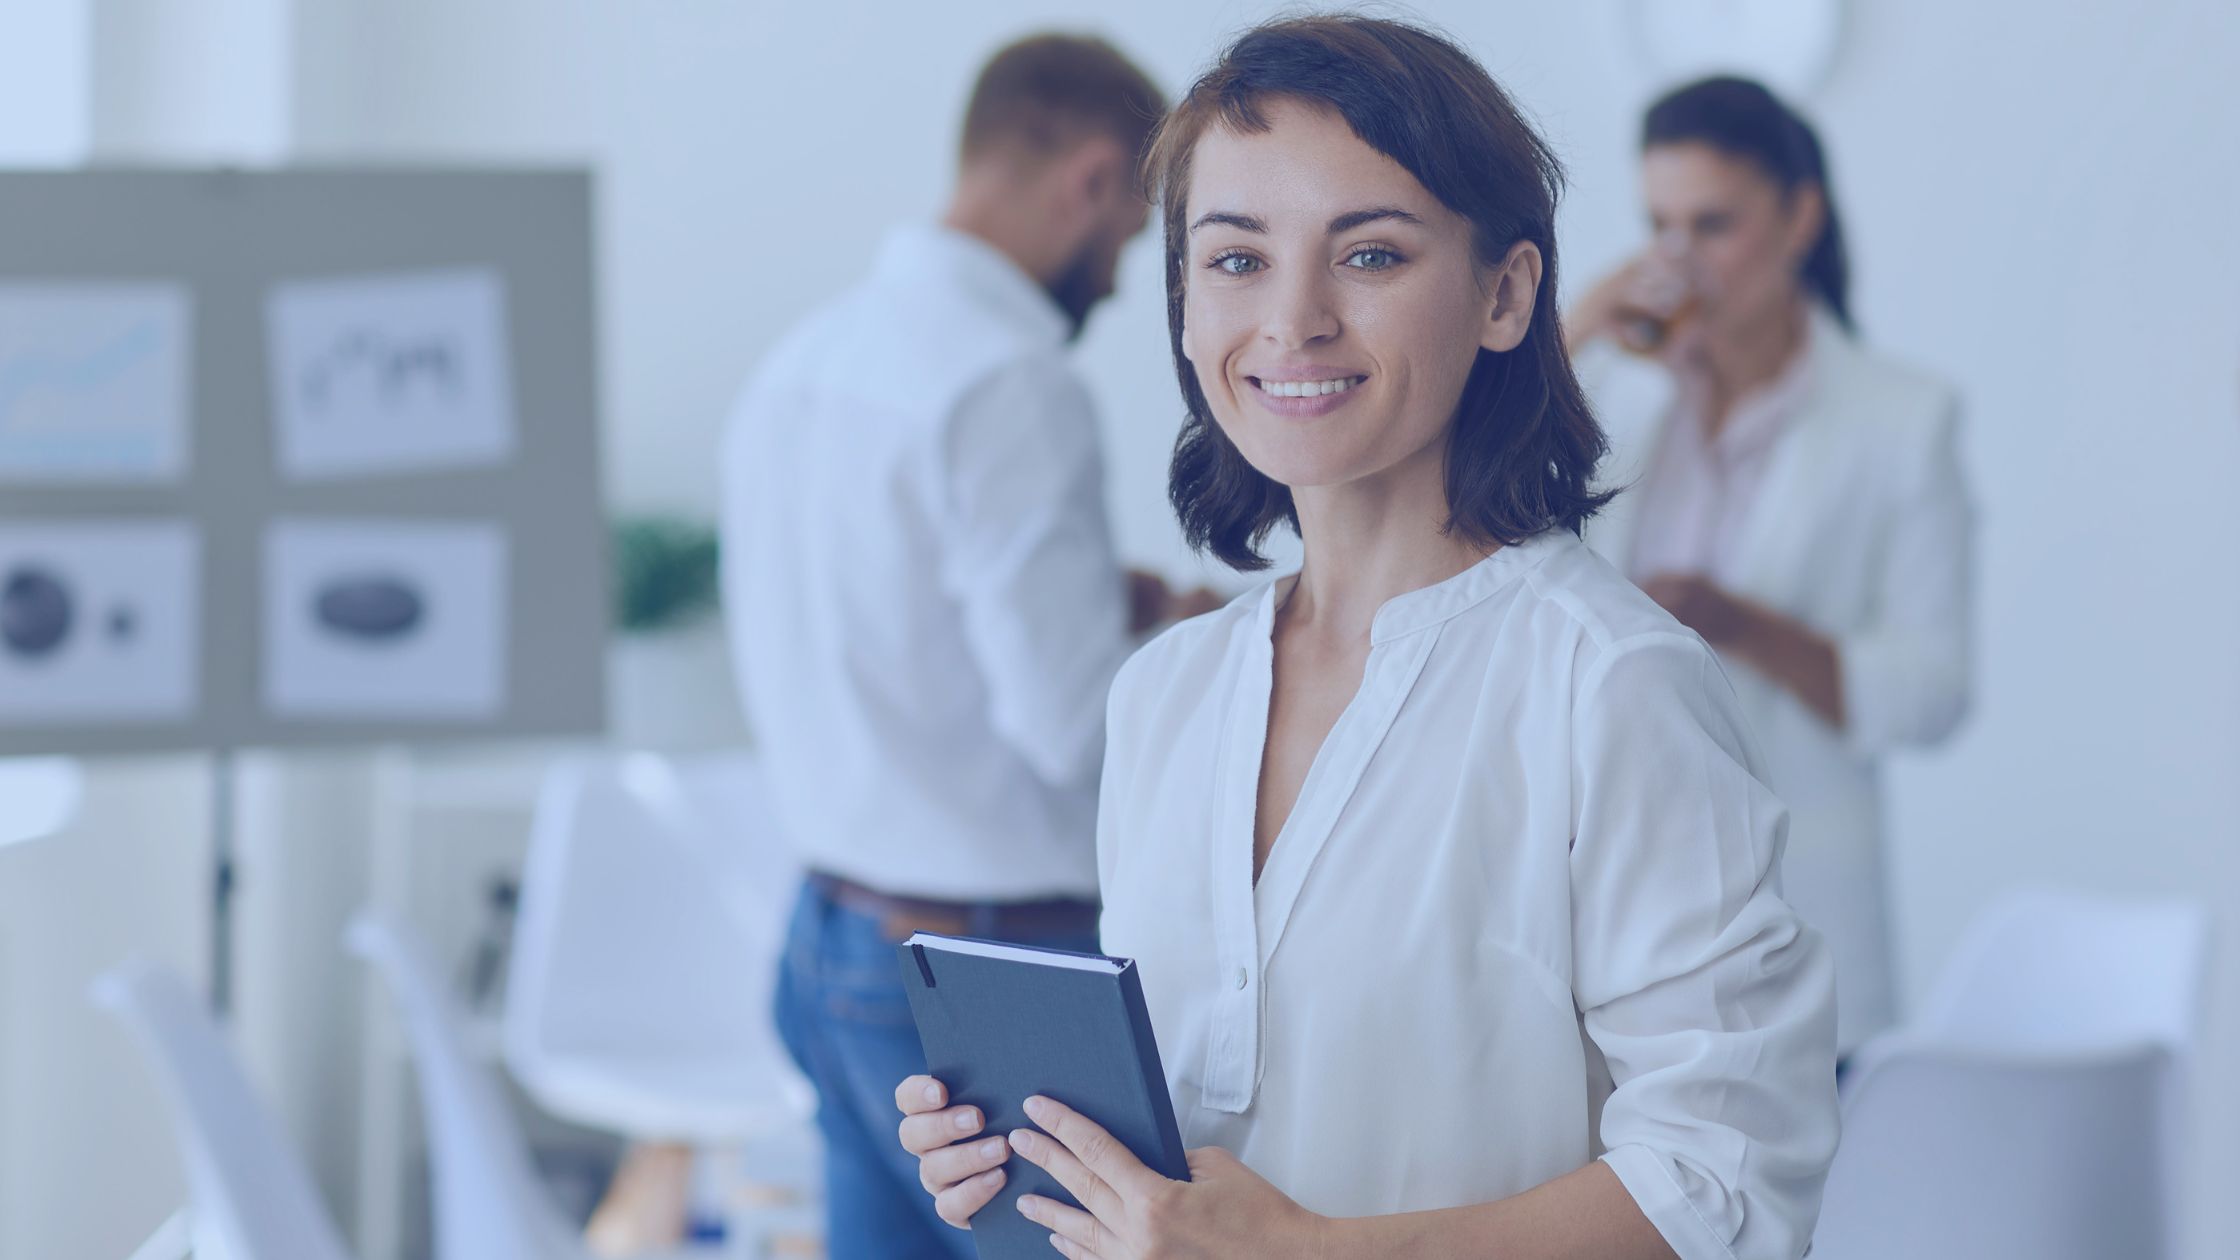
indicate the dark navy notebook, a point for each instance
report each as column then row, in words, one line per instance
column 1002, row 1022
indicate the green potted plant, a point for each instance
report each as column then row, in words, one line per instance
column 670, row 672
column 665, row 573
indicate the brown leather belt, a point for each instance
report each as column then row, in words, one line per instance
column 898, row 917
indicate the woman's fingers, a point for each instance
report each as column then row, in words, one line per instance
column 957, row 1203
column 1659, row 295
column 1068, row 1225
column 1100, row 1152
column 1050, row 1155
column 1208, row 1161
column 962, row 1175
column 1657, row 284
column 938, row 1170
column 1072, row 1250
column 932, row 1130
column 920, row 1093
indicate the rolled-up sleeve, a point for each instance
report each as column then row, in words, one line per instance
column 1905, row 675
column 1027, row 552
column 1712, row 1004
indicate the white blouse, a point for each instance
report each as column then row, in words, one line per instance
column 1526, row 913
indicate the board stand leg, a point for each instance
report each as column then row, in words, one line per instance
column 224, row 876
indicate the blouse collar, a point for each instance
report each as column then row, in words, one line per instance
column 1440, row 602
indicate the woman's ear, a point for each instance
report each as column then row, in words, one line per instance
column 1515, row 289
column 1808, row 212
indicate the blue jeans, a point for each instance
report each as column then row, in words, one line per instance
column 845, row 1017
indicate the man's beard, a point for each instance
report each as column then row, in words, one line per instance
column 1078, row 288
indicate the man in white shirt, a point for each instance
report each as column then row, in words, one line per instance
column 925, row 604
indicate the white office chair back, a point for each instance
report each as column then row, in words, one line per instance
column 38, row 796
column 488, row 1201
column 251, row 1196
column 2051, row 973
column 2043, row 970
column 651, row 917
column 1954, row 1154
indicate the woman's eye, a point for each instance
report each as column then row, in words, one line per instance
column 1236, row 264
column 1372, row 259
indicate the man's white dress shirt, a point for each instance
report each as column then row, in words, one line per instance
column 1525, row 914
column 924, row 603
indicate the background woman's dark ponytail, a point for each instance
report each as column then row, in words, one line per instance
column 1741, row 118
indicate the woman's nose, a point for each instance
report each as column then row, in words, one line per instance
column 1300, row 312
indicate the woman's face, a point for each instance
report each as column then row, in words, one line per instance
column 1332, row 307
column 1729, row 229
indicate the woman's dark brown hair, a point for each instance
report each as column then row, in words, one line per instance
column 1521, row 454
column 1743, row 118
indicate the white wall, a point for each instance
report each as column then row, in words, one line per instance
column 2094, row 323
column 2039, row 199
column 2040, row 205
column 43, row 72
column 86, row 1164
column 87, row 1161
column 206, row 82
column 84, row 1160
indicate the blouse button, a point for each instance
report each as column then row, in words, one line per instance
column 1242, row 977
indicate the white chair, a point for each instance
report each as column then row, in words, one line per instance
column 251, row 1198
column 653, row 911
column 38, row 796
column 488, row 1202
column 2035, row 1106
column 1951, row 1153
column 2049, row 972
column 173, row 1240
column 2052, row 971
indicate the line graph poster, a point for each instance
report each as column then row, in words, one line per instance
column 361, row 408
column 93, row 382
column 389, row 374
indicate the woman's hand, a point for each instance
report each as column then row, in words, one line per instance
column 1634, row 305
column 961, row 1174
column 1224, row 1212
column 1701, row 605
column 1783, row 648
column 1152, row 603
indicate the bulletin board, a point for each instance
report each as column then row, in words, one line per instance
column 303, row 456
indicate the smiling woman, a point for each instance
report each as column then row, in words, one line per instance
column 1396, row 230
column 1450, row 872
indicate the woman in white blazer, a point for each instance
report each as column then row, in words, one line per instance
column 1794, row 497
column 1447, row 863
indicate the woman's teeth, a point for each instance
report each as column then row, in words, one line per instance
column 1308, row 389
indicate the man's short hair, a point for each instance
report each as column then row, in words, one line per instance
column 1046, row 93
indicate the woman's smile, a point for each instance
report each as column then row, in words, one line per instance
column 1306, row 394
column 1334, row 307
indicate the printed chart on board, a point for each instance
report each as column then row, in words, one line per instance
column 280, row 462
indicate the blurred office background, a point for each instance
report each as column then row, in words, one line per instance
column 2040, row 204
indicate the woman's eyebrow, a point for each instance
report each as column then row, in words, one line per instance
column 1230, row 218
column 1346, row 222
column 1352, row 219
